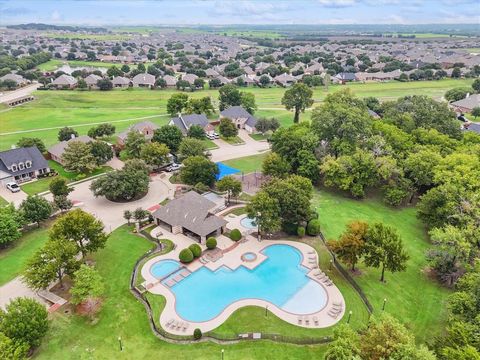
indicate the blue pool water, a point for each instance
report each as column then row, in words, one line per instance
column 225, row 170
column 163, row 268
column 248, row 223
column 205, row 294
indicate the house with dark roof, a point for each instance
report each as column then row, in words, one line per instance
column 344, row 77
column 240, row 117
column 147, row 128
column 184, row 122
column 191, row 214
column 56, row 151
column 22, row 164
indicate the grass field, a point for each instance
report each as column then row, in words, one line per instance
column 13, row 259
column 43, row 184
column 247, row 164
column 122, row 315
column 82, row 109
column 411, row 296
column 53, row 64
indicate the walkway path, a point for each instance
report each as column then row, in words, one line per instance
column 15, row 94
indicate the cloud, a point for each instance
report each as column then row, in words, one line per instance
column 56, row 15
column 337, row 3
column 14, row 11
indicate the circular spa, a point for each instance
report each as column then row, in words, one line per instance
column 248, row 223
column 249, row 257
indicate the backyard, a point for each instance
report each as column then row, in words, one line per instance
column 53, row 110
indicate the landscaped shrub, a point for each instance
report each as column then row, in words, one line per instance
column 196, row 250
column 235, row 235
column 197, row 334
column 186, row 255
column 211, row 243
column 290, row 228
column 301, row 231
column 313, row 227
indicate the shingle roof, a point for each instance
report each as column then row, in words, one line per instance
column 469, row 102
column 138, row 127
column 192, row 212
column 15, row 156
column 59, row 148
column 65, row 80
column 184, row 122
column 144, row 79
column 236, row 112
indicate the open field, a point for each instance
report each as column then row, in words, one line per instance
column 247, row 164
column 82, row 109
column 13, row 259
column 431, row 35
column 122, row 315
column 411, row 296
column 53, row 64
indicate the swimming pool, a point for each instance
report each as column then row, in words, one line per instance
column 163, row 268
column 280, row 280
column 248, row 223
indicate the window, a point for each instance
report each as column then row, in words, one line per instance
column 21, row 166
column 28, row 164
column 14, row 167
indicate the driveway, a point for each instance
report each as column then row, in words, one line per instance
column 228, row 151
column 16, row 198
column 15, row 94
column 111, row 213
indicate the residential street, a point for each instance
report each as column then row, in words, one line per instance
column 24, row 91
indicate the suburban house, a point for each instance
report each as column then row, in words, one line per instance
column 192, row 215
column 64, row 82
column 467, row 104
column 344, row 77
column 184, row 122
column 285, row 79
column 22, row 164
column 190, row 78
column 120, row 82
column 92, row 80
column 240, row 117
column 143, row 80
column 170, row 80
column 19, row 80
column 56, row 151
column 147, row 128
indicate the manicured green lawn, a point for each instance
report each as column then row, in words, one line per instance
column 3, row 202
column 43, row 184
column 247, row 164
column 72, row 337
column 12, row 259
column 411, row 296
column 82, row 109
column 210, row 144
column 233, row 140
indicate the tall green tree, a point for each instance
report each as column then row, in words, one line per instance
column 11, row 222
column 35, row 209
column 88, row 285
column 227, row 128
column 12, row 350
column 59, row 186
column 169, row 135
column 134, row 143
column 82, row 229
column 177, row 104
column 78, row 157
column 191, row 147
column 101, row 151
column 351, row 245
column 298, row 98
column 276, row 166
column 384, row 248
column 232, row 186
column 30, row 142
column 66, row 133
column 198, row 169
column 155, row 154
column 229, row 95
column 266, row 212
column 25, row 321
column 55, row 260
column 248, row 102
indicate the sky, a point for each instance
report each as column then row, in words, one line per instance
column 221, row 12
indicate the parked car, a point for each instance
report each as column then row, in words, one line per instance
column 215, row 135
column 173, row 167
column 210, row 137
column 13, row 187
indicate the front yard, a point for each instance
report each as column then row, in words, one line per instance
column 41, row 185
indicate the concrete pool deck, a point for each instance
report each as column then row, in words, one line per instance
column 231, row 257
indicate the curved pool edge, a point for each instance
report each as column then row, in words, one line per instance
column 333, row 295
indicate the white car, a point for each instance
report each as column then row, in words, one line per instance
column 174, row 167
column 13, row 187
